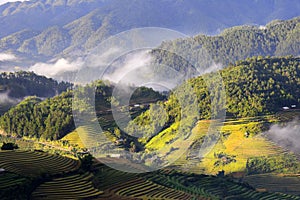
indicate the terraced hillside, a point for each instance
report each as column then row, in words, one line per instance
column 143, row 189
column 211, row 186
column 235, row 147
column 231, row 151
column 122, row 185
column 171, row 184
column 77, row 186
column 10, row 182
column 35, row 163
column 288, row 115
column 289, row 184
column 101, row 182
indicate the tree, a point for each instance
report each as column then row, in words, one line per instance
column 86, row 162
column 9, row 146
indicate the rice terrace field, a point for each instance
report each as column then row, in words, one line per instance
column 28, row 163
column 77, row 186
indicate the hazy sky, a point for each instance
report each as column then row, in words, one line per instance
column 4, row 1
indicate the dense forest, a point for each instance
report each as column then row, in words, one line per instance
column 278, row 38
column 259, row 86
column 255, row 86
column 53, row 118
column 49, row 119
column 21, row 84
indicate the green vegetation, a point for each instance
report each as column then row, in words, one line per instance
column 288, row 183
column 18, row 85
column 49, row 119
column 260, row 86
column 52, row 118
column 21, row 84
column 9, row 146
column 36, row 163
column 255, row 87
column 10, row 183
column 285, row 163
column 171, row 184
column 25, row 170
column 78, row 186
column 278, row 38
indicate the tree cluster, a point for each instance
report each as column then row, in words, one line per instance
column 21, row 84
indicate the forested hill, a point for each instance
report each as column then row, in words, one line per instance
column 259, row 86
column 52, row 118
column 21, row 84
column 255, row 86
column 278, row 38
column 49, row 119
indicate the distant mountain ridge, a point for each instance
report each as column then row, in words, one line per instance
column 277, row 38
column 43, row 29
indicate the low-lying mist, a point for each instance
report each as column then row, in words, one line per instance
column 6, row 99
column 135, row 68
column 286, row 136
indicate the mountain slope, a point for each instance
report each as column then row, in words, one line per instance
column 278, row 38
column 76, row 25
column 254, row 87
column 52, row 118
column 42, row 14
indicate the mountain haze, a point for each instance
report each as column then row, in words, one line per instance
column 277, row 38
column 39, row 30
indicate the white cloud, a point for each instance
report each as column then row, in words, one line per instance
column 262, row 27
column 212, row 68
column 95, row 60
column 287, row 136
column 56, row 68
column 4, row 99
column 5, row 1
column 7, row 57
column 125, row 71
